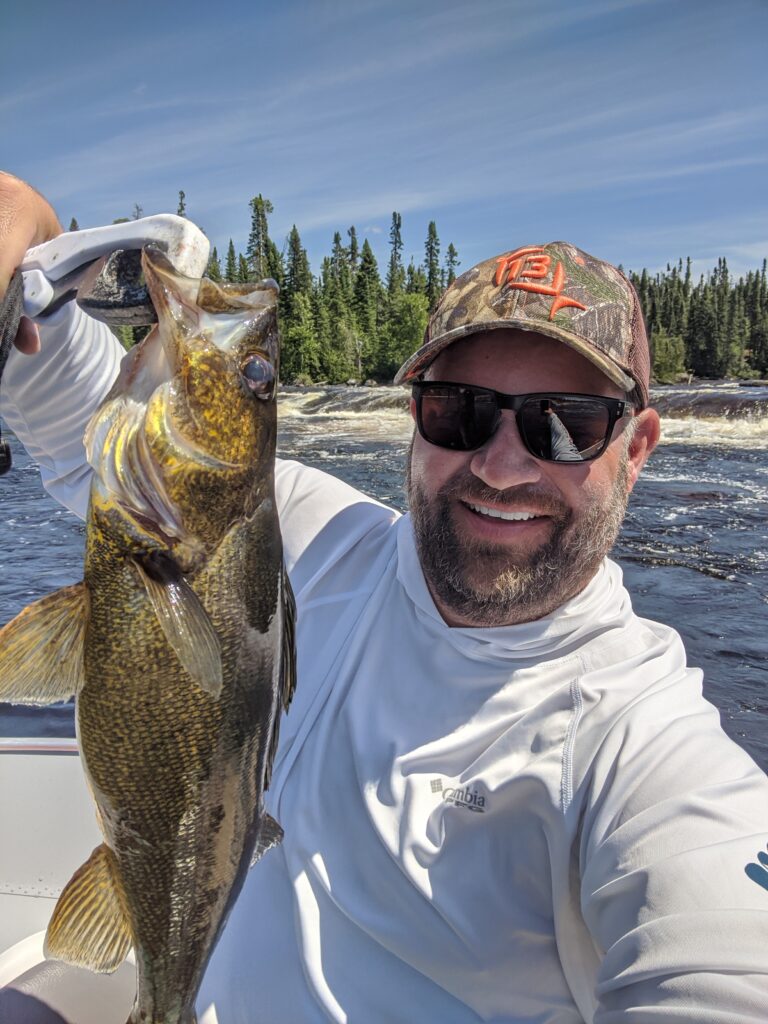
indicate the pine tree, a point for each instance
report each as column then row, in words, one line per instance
column 243, row 270
column 340, row 268
column 344, row 353
column 300, row 357
column 368, row 308
column 643, row 289
column 231, row 270
column 367, row 297
column 758, row 344
column 668, row 356
column 297, row 284
column 415, row 279
column 687, row 281
column 213, row 270
column 322, row 324
column 702, row 336
column 404, row 332
column 722, row 304
column 432, row 265
column 738, row 334
column 73, row 225
column 258, row 250
column 298, row 276
column 182, row 207
column 138, row 212
column 451, row 262
column 395, row 273
column 275, row 265
column 354, row 253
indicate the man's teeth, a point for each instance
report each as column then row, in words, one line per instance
column 498, row 514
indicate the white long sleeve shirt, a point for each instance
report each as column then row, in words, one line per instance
column 535, row 823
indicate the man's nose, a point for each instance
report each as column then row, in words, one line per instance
column 504, row 461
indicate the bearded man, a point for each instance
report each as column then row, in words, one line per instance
column 504, row 797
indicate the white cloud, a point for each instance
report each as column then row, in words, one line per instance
column 391, row 105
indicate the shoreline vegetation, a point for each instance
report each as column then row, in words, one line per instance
column 348, row 324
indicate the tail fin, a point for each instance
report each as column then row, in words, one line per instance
column 190, row 1017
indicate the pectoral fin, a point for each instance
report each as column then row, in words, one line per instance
column 89, row 927
column 41, row 650
column 270, row 834
column 184, row 621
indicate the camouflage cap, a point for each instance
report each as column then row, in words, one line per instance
column 553, row 289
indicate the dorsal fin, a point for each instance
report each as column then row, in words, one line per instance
column 287, row 668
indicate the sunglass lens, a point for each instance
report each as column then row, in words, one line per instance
column 564, row 429
column 457, row 417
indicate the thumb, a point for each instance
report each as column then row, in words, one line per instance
column 28, row 337
column 26, row 219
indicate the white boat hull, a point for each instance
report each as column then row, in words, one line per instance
column 48, row 830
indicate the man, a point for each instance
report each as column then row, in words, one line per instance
column 504, row 797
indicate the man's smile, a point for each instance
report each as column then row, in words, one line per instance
column 497, row 513
column 501, row 522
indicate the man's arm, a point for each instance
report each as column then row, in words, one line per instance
column 677, row 812
column 51, row 385
column 48, row 398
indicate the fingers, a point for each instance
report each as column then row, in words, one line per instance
column 26, row 219
column 28, row 338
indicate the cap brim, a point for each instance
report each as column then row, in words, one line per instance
column 413, row 367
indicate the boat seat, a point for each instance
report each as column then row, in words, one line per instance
column 54, row 993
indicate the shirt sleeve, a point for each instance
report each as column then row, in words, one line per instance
column 48, row 398
column 321, row 519
column 673, row 836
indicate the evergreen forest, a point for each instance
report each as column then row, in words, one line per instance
column 350, row 324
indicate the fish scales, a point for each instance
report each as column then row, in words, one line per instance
column 182, row 780
column 187, row 657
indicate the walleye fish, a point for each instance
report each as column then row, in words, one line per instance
column 178, row 644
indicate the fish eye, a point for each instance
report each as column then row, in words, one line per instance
column 259, row 375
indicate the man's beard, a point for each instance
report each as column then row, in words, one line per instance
column 483, row 584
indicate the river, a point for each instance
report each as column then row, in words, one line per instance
column 694, row 545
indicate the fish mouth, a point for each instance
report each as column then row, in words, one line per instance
column 134, row 433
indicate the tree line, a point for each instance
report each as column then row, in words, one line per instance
column 348, row 323
column 716, row 327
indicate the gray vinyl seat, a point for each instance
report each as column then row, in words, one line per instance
column 54, row 993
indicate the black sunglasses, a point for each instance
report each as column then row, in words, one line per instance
column 554, row 427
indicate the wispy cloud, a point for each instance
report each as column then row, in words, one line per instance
column 515, row 115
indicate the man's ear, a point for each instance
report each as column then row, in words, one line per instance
column 412, row 407
column 647, row 429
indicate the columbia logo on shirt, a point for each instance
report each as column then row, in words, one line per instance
column 463, row 796
column 759, row 872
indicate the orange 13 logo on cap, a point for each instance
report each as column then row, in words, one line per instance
column 525, row 268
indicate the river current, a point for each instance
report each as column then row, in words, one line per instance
column 693, row 548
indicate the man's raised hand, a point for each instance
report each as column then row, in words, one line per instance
column 26, row 219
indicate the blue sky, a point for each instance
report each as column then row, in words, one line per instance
column 634, row 128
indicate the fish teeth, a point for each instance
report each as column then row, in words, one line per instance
column 496, row 513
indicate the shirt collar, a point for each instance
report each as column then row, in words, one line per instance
column 603, row 604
